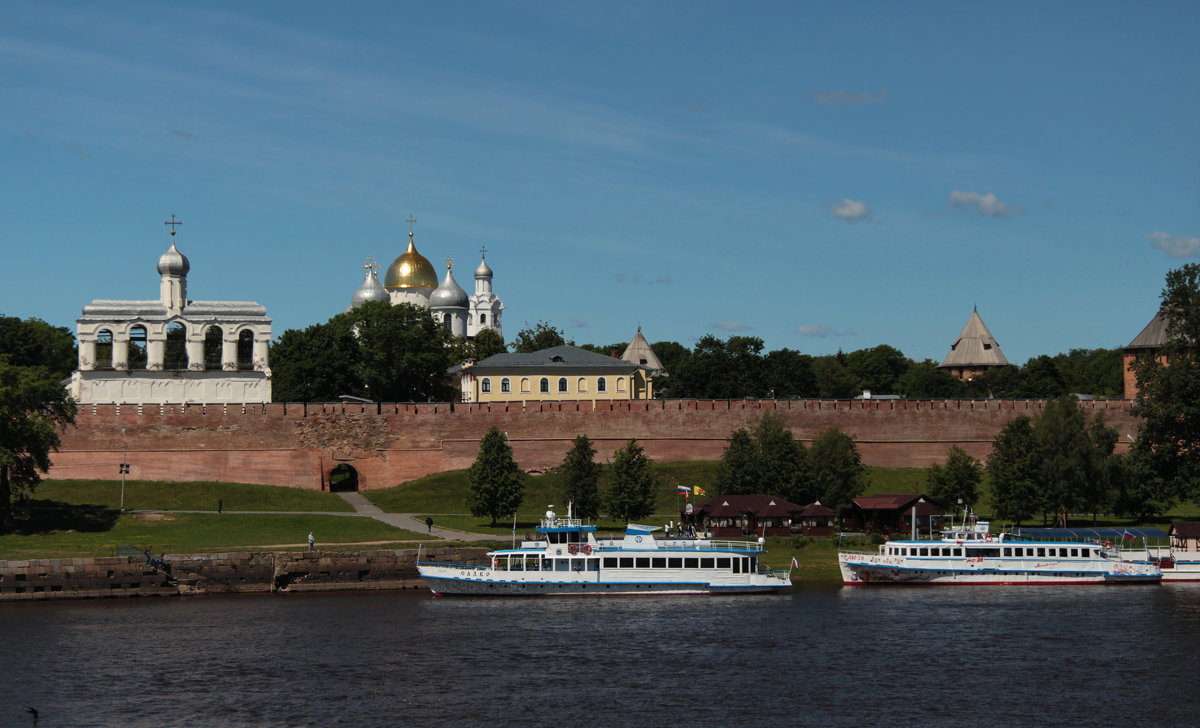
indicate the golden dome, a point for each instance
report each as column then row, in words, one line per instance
column 410, row 270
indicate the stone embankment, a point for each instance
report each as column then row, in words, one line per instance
column 229, row 573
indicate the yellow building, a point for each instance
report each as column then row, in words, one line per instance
column 555, row 374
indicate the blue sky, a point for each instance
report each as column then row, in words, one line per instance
column 820, row 175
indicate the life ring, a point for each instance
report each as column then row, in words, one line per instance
column 987, row 537
column 1108, row 544
column 586, row 548
column 572, row 549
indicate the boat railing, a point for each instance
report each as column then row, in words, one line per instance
column 557, row 522
column 455, row 564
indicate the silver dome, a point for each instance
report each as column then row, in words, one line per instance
column 370, row 290
column 173, row 263
column 449, row 294
column 484, row 270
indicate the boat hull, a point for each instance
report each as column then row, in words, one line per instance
column 873, row 570
column 457, row 581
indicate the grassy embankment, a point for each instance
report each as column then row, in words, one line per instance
column 68, row 518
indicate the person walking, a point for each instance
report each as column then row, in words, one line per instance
column 312, row 542
column 429, row 523
column 220, row 505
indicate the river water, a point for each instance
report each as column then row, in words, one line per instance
column 1070, row 656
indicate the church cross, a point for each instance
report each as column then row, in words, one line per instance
column 483, row 252
column 171, row 224
column 410, row 221
column 449, row 262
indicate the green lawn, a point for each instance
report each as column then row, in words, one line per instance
column 162, row 496
column 199, row 533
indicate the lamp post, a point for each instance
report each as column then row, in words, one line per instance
column 124, row 467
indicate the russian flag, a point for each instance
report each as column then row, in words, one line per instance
column 682, row 490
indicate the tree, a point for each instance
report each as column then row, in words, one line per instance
column 34, row 407
column 838, row 474
column 926, row 380
column 630, row 494
column 721, row 369
column 738, row 471
column 1071, row 456
column 1168, row 399
column 317, row 364
column 834, row 380
column 487, row 342
column 879, row 368
column 670, row 354
column 33, row 342
column 958, row 480
column 1040, row 379
column 541, row 336
column 497, row 485
column 782, row 462
column 377, row 351
column 581, row 478
column 1012, row 470
column 403, row 353
column 788, row 374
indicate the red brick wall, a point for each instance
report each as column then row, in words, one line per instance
column 297, row 445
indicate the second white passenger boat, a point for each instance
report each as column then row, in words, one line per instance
column 970, row 555
column 568, row 558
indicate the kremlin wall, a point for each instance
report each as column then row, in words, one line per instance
column 297, row 445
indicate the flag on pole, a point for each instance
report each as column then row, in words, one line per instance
column 682, row 489
column 795, row 564
column 698, row 490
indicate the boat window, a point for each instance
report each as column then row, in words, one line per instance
column 674, row 563
column 610, row 562
column 1008, row 551
column 737, row 566
column 925, row 551
column 533, row 563
column 593, row 564
column 1041, row 551
column 659, row 562
column 1075, row 552
column 562, row 564
column 753, row 564
column 643, row 562
column 1085, row 553
column 691, row 563
column 577, row 564
column 626, row 562
column 723, row 564
column 706, row 563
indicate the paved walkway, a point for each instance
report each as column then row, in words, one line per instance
column 364, row 507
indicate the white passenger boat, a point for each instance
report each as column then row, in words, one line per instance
column 969, row 555
column 568, row 558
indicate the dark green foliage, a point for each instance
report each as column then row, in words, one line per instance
column 541, row 336
column 1012, row 470
column 878, row 369
column 1041, row 379
column 630, row 494
column 606, row 349
column 1071, row 455
column 1092, row 371
column 1168, row 397
column 720, row 369
column 834, row 380
column 34, row 407
column 33, row 342
column 581, row 479
column 487, row 342
column 925, row 380
column 836, row 468
column 377, row 351
column 783, row 462
column 956, row 481
column 789, row 375
column 497, row 485
column 738, row 473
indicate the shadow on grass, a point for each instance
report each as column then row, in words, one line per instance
column 45, row 516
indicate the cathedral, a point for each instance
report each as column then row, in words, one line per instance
column 412, row 279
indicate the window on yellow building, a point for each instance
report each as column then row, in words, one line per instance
column 581, row 385
column 505, row 385
column 525, row 385
column 544, row 386
column 601, row 385
column 562, row 384
column 620, row 384
column 485, row 386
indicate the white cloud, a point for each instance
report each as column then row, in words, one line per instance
column 820, row 331
column 850, row 210
column 731, row 326
column 832, row 98
column 1173, row 246
column 985, row 204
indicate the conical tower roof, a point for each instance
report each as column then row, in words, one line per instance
column 639, row 352
column 975, row 347
column 1154, row 336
